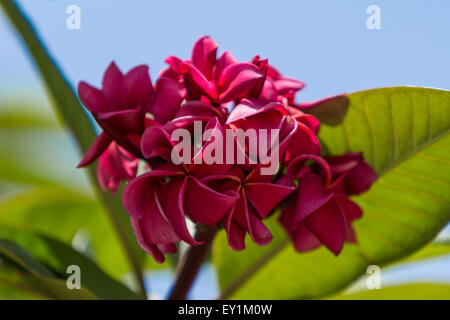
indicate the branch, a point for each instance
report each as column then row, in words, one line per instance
column 192, row 261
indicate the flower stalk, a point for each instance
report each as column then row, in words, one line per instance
column 190, row 264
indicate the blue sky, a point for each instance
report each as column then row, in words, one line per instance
column 325, row 43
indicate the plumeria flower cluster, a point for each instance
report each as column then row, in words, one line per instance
column 217, row 94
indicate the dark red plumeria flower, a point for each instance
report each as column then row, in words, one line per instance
column 274, row 86
column 115, row 164
column 120, row 108
column 258, row 196
column 220, row 79
column 320, row 211
column 218, row 95
column 294, row 136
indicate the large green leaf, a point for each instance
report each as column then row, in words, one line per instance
column 63, row 214
column 403, row 133
column 42, row 274
column 20, row 285
column 416, row 291
column 432, row 250
column 58, row 256
column 71, row 112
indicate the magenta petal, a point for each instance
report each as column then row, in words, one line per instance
column 257, row 194
column 269, row 91
column 311, row 196
column 310, row 121
column 176, row 64
column 136, row 88
column 237, row 80
column 151, row 249
column 169, row 95
column 305, row 240
column 235, row 234
column 206, row 205
column 329, row 225
column 138, row 190
column 350, row 209
column 173, row 206
column 350, row 235
column 249, row 108
column 92, row 98
column 169, row 73
column 224, row 61
column 129, row 120
column 155, row 225
column 111, row 86
column 196, row 81
column 304, row 141
column 360, row 178
column 296, row 167
column 100, row 144
column 249, row 220
column 204, row 55
column 167, row 247
column 286, row 219
column 156, row 142
column 259, row 232
column 198, row 108
column 284, row 85
column 115, row 165
column 106, row 174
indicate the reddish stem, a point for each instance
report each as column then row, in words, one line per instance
column 191, row 262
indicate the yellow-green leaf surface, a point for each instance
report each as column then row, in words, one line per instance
column 403, row 133
column 416, row 291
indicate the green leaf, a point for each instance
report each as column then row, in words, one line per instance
column 433, row 250
column 58, row 256
column 20, row 285
column 21, row 113
column 61, row 214
column 71, row 112
column 403, row 133
column 330, row 111
column 42, row 274
column 102, row 285
column 417, row 291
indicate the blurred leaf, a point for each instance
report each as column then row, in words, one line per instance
column 47, row 279
column 73, row 115
column 58, row 256
column 52, row 201
column 433, row 250
column 403, row 133
column 61, row 214
column 103, row 286
column 17, row 283
column 26, row 114
column 420, row 291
